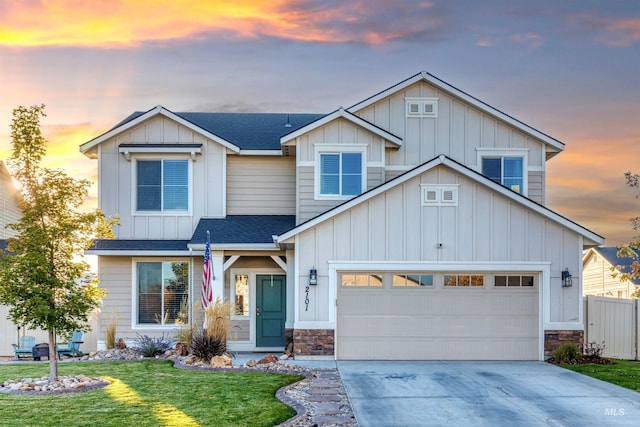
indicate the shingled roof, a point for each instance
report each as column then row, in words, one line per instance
column 610, row 253
column 248, row 131
column 242, row 229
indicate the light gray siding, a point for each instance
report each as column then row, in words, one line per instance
column 536, row 186
column 484, row 227
column 337, row 135
column 261, row 185
column 458, row 131
column 116, row 183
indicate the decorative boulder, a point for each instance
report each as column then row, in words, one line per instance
column 220, row 361
column 269, row 358
column 120, row 344
column 181, row 349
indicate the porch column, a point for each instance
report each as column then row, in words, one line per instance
column 217, row 284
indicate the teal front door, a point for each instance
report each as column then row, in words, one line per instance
column 270, row 310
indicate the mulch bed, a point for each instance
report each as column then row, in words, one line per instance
column 585, row 360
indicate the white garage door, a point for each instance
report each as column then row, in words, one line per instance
column 437, row 316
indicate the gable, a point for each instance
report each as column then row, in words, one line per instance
column 387, row 110
column 518, row 201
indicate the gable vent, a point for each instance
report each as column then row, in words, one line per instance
column 422, row 107
column 439, row 194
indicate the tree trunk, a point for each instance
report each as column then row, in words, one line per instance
column 53, row 357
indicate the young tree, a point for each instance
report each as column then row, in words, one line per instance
column 42, row 278
column 629, row 250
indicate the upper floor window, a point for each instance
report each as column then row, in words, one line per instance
column 162, row 185
column 340, row 174
column 508, row 171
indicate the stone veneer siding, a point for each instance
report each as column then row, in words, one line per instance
column 313, row 342
column 554, row 339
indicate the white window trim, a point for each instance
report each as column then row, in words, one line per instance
column 439, row 189
column 134, row 294
column 421, row 102
column 338, row 149
column 507, row 152
column 134, row 187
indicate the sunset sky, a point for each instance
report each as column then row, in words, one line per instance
column 570, row 69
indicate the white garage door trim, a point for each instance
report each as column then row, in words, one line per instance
column 543, row 269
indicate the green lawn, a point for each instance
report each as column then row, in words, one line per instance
column 148, row 393
column 624, row 373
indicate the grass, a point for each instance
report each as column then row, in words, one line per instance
column 624, row 373
column 149, row 393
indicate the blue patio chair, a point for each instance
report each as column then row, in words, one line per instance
column 73, row 346
column 24, row 346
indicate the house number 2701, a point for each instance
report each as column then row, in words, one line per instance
column 306, row 298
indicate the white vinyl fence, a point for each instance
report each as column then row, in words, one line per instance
column 614, row 321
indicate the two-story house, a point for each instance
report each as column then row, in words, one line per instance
column 410, row 225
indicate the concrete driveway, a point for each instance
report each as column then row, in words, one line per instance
column 482, row 394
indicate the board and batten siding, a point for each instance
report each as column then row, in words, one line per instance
column 339, row 133
column 261, row 185
column 458, row 131
column 116, row 181
column 484, row 227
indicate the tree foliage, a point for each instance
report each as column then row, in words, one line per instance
column 631, row 249
column 44, row 279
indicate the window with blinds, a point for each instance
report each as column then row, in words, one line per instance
column 340, row 174
column 162, row 185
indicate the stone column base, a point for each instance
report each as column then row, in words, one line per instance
column 554, row 339
column 313, row 342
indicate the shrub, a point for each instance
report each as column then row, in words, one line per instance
column 110, row 326
column 205, row 346
column 152, row 346
column 218, row 319
column 594, row 350
column 567, row 353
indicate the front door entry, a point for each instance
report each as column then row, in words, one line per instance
column 270, row 310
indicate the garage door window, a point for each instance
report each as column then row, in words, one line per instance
column 412, row 280
column 463, row 280
column 362, row 280
column 514, row 281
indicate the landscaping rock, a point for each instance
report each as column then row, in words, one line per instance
column 251, row 363
column 269, row 358
column 120, row 344
column 220, row 362
column 43, row 386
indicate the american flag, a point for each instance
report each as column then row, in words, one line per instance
column 207, row 273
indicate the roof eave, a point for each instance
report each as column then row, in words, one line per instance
column 158, row 110
column 589, row 237
column 344, row 114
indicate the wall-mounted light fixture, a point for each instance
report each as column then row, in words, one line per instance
column 566, row 278
column 313, row 276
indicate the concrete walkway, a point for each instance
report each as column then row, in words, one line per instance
column 483, row 394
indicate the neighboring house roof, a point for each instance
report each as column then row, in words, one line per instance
column 623, row 265
column 236, row 131
column 553, row 145
column 242, row 230
column 342, row 113
column 591, row 238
